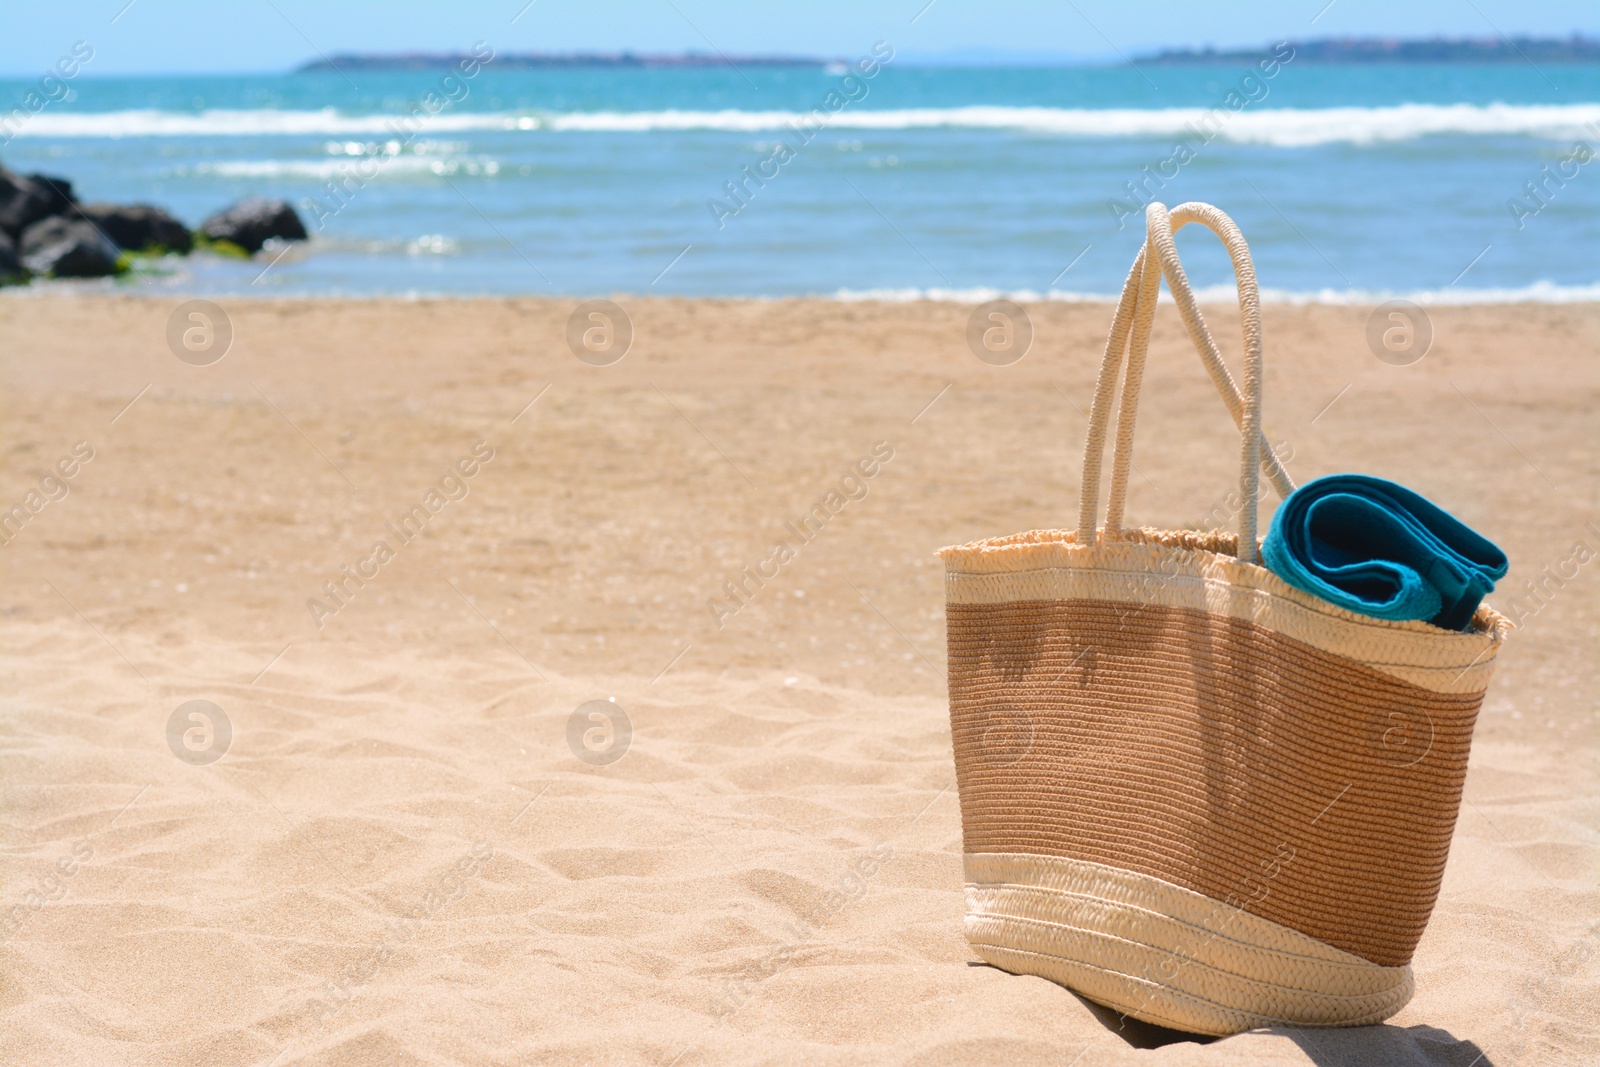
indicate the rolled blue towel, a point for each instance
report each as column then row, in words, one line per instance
column 1377, row 548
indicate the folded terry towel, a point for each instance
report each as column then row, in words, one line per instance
column 1379, row 549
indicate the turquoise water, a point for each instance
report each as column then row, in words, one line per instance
column 1348, row 180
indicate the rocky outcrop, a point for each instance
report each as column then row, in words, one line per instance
column 26, row 200
column 10, row 265
column 67, row 248
column 45, row 231
column 58, row 191
column 251, row 223
column 138, row 227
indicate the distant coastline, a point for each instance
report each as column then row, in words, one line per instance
column 1346, row 50
column 552, row 61
column 1574, row 49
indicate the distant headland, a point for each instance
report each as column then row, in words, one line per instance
column 1574, row 49
column 551, row 61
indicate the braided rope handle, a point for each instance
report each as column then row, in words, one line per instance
column 1130, row 329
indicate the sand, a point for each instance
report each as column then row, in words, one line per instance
column 399, row 859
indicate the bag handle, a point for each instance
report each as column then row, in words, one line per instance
column 1130, row 329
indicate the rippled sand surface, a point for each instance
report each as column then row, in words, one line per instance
column 398, row 834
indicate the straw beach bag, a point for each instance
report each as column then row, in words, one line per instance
column 1190, row 792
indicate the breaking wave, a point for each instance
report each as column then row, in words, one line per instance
column 1282, row 127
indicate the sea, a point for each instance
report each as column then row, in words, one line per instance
column 872, row 178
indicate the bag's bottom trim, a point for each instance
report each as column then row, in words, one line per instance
column 1164, row 954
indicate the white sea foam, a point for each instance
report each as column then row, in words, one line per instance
column 1542, row 292
column 334, row 168
column 1283, row 127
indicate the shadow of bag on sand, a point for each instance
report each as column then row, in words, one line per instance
column 1369, row 1046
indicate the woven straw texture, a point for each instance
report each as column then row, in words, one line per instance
column 1188, row 790
column 1190, row 745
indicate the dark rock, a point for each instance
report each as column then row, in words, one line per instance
column 47, row 231
column 10, row 265
column 137, row 227
column 57, row 190
column 67, row 248
column 251, row 223
column 23, row 202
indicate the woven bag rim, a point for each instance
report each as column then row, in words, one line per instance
column 1217, row 546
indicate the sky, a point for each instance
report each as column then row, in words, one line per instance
column 209, row 36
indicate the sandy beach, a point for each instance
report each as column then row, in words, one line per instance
column 399, row 858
